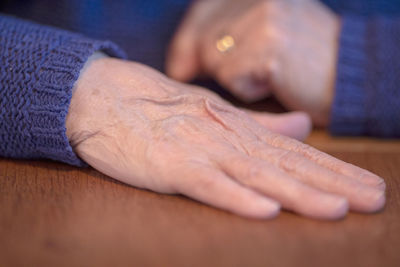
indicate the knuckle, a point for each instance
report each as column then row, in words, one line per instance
column 205, row 184
column 254, row 148
column 334, row 165
column 305, row 148
column 299, row 147
column 254, row 172
column 290, row 161
column 231, row 161
column 271, row 68
column 277, row 140
column 314, row 154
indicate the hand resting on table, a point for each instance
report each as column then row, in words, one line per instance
column 134, row 124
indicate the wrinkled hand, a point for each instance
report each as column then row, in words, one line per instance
column 137, row 126
column 284, row 47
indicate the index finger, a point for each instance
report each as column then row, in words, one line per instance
column 325, row 160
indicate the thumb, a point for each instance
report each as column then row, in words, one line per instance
column 293, row 124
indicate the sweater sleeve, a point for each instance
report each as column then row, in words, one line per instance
column 38, row 68
column 367, row 95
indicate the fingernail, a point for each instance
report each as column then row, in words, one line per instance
column 381, row 185
column 374, row 180
column 369, row 200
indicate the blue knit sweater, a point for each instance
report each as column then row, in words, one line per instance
column 39, row 64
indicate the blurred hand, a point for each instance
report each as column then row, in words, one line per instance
column 139, row 127
column 284, row 47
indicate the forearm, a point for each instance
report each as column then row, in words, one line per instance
column 367, row 87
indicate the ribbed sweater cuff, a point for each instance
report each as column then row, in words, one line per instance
column 349, row 114
column 59, row 71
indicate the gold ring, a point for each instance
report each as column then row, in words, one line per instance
column 225, row 44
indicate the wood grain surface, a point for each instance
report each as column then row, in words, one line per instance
column 52, row 214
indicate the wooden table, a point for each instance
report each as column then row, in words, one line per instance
column 52, row 214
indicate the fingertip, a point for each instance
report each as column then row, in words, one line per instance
column 373, row 180
column 328, row 208
column 379, row 202
column 262, row 209
column 270, row 210
column 374, row 201
column 297, row 125
column 337, row 212
column 340, row 210
column 364, row 176
column 301, row 124
column 273, row 213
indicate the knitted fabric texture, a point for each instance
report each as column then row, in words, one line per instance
column 38, row 67
column 367, row 95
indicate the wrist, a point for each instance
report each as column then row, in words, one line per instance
column 80, row 101
column 104, row 86
column 97, row 55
